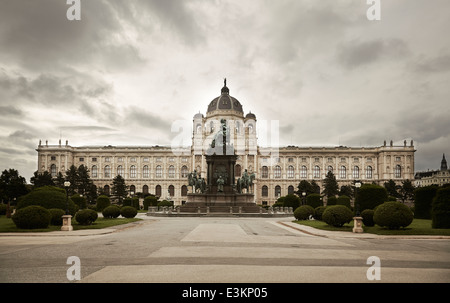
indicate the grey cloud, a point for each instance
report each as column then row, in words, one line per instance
column 434, row 65
column 9, row 110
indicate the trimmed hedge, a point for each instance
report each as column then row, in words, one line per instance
column 79, row 200
column 47, row 197
column 128, row 212
column 150, row 201
column 344, row 200
column 423, row 198
column 318, row 212
column 291, row 201
column 103, row 202
column 56, row 216
column 367, row 216
column 337, row 215
column 165, row 203
column 440, row 211
column 303, row 212
column 86, row 216
column 111, row 212
column 393, row 215
column 331, row 201
column 370, row 196
column 31, row 217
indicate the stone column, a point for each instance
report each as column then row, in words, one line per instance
column 357, row 225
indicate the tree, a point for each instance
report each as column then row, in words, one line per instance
column 330, row 185
column 59, row 180
column 346, row 190
column 369, row 196
column 304, row 186
column 44, row 179
column 84, row 180
column 119, row 188
column 12, row 185
column 407, row 191
column 392, row 188
column 73, row 178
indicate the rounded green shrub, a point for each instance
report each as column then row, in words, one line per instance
column 423, row 199
column 344, row 200
column 111, row 212
column 31, row 217
column 79, row 200
column 150, row 201
column 303, row 212
column 47, row 197
column 103, row 202
column 370, row 195
column 337, row 215
column 86, row 216
column 440, row 211
column 165, row 203
column 393, row 215
column 314, row 200
column 56, row 216
column 331, row 201
column 367, row 216
column 128, row 212
column 3, row 209
column 318, row 212
column 291, row 201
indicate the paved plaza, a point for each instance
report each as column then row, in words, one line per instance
column 221, row 250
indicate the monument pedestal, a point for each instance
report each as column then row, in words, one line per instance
column 357, row 225
column 67, row 223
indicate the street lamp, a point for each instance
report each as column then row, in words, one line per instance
column 304, row 196
column 67, row 218
column 66, row 185
column 357, row 185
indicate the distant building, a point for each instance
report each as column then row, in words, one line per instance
column 163, row 170
column 436, row 177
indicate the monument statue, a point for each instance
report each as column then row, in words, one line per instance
column 220, row 183
column 220, row 144
column 246, row 181
column 197, row 182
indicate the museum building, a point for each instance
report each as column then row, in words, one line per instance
column 163, row 170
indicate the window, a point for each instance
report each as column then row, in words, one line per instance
column 290, row 190
column 265, row 172
column 237, row 171
column 355, row 172
column 94, row 171
column 303, row 172
column 107, row 159
column 158, row 190
column 184, row 171
column 316, row 172
column 81, row 159
column 171, row 171
column 133, row 171
column 145, row 171
column 53, row 158
column 133, row 159
column 145, row 159
column 145, row 189
column 369, row 172
column 53, row 170
column 132, row 189
column 342, row 159
column 171, row 190
column 290, row 172
column 120, row 170
column 120, row 159
column 94, row 159
column 107, row 171
column 316, row 159
column 398, row 159
column 265, row 191
column 291, row 160
column 342, row 172
column 159, row 172
column 303, row 159
column 277, row 172
column 398, row 171
column 184, row 190
column 330, row 159
column 106, row 190
column 277, row 191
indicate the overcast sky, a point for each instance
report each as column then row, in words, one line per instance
column 128, row 69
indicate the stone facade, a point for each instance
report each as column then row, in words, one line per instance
column 163, row 170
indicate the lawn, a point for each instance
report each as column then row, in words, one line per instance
column 7, row 225
column 417, row 227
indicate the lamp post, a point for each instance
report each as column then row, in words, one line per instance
column 67, row 218
column 357, row 219
column 303, row 199
column 357, row 186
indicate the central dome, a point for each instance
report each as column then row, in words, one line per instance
column 224, row 102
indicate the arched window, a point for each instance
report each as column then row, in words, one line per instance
column 316, row 172
column 171, row 171
column 120, row 170
column 199, row 129
column 264, row 172
column 106, row 190
column 145, row 171
column 184, row 171
column 303, row 172
column 107, row 171
column 158, row 171
column 94, row 171
column 145, row 189
column 277, row 191
column 132, row 190
column 277, row 172
column 342, row 172
column 265, row 191
column 290, row 190
column 133, row 171
column 237, row 171
column 171, row 190
column 355, row 172
column 369, row 172
column 398, row 171
column 290, row 172
column 184, row 190
column 53, row 170
column 158, row 190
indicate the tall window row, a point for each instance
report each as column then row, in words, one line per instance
column 158, row 190
column 316, row 172
column 133, row 171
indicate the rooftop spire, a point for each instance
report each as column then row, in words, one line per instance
column 225, row 89
column 443, row 163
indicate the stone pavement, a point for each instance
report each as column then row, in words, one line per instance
column 223, row 250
